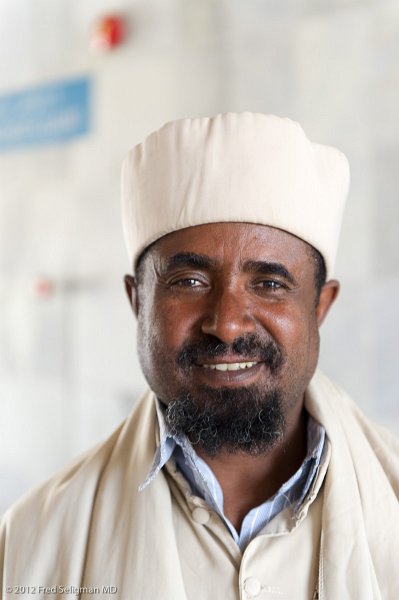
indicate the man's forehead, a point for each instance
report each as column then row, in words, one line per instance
column 218, row 240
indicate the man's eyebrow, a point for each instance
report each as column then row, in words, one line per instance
column 189, row 259
column 269, row 268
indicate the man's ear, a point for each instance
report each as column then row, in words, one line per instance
column 328, row 294
column 131, row 291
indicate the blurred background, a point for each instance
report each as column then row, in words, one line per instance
column 83, row 81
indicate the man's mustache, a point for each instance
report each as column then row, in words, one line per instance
column 248, row 347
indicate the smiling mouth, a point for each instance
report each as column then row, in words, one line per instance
column 237, row 366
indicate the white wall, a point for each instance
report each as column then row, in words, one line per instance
column 68, row 371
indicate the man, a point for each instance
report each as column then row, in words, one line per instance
column 241, row 473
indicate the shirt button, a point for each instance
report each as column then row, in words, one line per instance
column 252, row 587
column 201, row 515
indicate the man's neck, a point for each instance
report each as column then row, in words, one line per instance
column 248, row 481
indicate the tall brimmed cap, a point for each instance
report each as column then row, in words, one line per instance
column 246, row 167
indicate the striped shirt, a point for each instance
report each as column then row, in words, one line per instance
column 204, row 484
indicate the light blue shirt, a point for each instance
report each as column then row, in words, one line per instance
column 205, row 485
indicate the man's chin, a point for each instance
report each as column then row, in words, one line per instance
column 239, row 419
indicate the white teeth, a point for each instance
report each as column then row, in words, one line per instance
column 230, row 366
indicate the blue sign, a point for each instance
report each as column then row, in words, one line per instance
column 45, row 114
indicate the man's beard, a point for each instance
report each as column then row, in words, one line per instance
column 243, row 419
column 247, row 419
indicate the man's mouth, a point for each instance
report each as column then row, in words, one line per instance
column 229, row 371
column 216, row 361
column 236, row 366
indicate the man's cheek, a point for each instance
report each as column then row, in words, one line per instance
column 172, row 333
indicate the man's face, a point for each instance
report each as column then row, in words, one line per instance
column 227, row 317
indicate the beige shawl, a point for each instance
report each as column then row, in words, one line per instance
column 89, row 525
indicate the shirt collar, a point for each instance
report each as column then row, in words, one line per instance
column 166, row 446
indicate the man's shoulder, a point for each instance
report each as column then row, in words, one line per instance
column 45, row 535
column 74, row 487
column 58, row 509
column 348, row 427
column 327, row 400
column 66, row 489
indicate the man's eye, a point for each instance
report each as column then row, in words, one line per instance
column 270, row 284
column 187, row 282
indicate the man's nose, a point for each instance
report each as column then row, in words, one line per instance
column 228, row 316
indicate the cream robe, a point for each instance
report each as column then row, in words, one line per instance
column 89, row 525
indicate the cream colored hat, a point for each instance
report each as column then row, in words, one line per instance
column 245, row 167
